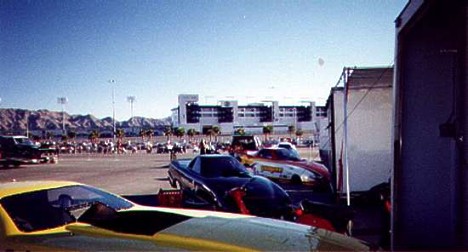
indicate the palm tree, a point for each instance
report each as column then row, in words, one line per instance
column 93, row 136
column 209, row 133
column 142, row 134
column 71, row 134
column 180, row 132
column 267, row 130
column 191, row 133
column 168, row 132
column 291, row 130
column 216, row 130
column 239, row 131
column 299, row 133
column 120, row 133
column 149, row 133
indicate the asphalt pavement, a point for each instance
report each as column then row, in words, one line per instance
column 145, row 174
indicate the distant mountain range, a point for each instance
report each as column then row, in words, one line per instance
column 20, row 120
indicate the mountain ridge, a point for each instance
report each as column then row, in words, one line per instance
column 17, row 120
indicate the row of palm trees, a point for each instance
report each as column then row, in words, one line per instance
column 180, row 132
column 215, row 132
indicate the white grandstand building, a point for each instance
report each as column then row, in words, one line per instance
column 228, row 115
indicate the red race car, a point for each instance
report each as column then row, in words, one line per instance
column 286, row 165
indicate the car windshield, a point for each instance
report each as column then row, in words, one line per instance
column 45, row 209
column 213, row 167
column 285, row 154
column 23, row 141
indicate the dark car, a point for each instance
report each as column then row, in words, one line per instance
column 18, row 150
column 210, row 178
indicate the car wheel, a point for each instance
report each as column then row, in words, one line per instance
column 296, row 180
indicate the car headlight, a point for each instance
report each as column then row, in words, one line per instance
column 309, row 177
column 306, row 178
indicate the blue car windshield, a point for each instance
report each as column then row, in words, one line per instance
column 285, row 154
column 51, row 208
column 222, row 166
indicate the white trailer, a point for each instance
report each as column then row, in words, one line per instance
column 358, row 147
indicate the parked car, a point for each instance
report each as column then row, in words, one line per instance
column 286, row 165
column 61, row 215
column 18, row 150
column 286, row 145
column 209, row 179
column 244, row 143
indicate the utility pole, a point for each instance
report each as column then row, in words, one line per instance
column 63, row 101
column 131, row 99
column 112, row 82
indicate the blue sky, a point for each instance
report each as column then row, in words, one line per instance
column 245, row 50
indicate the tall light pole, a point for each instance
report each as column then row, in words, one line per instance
column 112, row 82
column 131, row 99
column 63, row 101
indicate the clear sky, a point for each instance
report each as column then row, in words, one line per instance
column 249, row 50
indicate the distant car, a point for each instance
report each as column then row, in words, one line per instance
column 244, row 143
column 286, row 165
column 286, row 145
column 18, row 150
column 211, row 177
column 68, row 216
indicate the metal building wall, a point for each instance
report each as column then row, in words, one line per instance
column 429, row 181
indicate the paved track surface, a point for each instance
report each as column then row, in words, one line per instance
column 143, row 174
column 139, row 173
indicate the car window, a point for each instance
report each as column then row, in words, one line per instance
column 284, row 146
column 23, row 141
column 45, row 209
column 285, row 154
column 222, row 167
column 265, row 154
column 195, row 165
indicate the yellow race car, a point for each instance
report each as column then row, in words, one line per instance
column 61, row 215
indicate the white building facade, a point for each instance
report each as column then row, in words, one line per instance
column 228, row 115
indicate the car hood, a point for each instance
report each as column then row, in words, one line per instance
column 312, row 166
column 222, row 184
column 259, row 187
column 304, row 164
column 163, row 229
column 262, row 196
column 203, row 230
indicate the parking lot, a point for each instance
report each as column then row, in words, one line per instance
column 145, row 174
column 138, row 173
